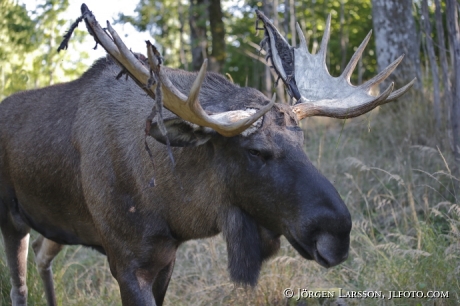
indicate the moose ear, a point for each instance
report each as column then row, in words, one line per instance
column 181, row 133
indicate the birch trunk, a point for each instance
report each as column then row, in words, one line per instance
column 433, row 65
column 443, row 59
column 267, row 9
column 395, row 34
column 183, row 59
column 343, row 38
column 454, row 34
column 286, row 18
column 292, row 22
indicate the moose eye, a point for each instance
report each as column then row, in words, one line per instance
column 254, row 152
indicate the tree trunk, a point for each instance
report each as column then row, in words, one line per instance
column 433, row 65
column 274, row 13
column 343, row 38
column 199, row 42
column 395, row 34
column 443, row 60
column 454, row 34
column 292, row 21
column 314, row 44
column 286, row 18
column 217, row 58
column 183, row 59
column 270, row 9
column 267, row 10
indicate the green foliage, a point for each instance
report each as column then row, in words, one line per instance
column 15, row 29
column 242, row 63
column 244, row 70
column 162, row 20
column 28, row 55
column 18, row 36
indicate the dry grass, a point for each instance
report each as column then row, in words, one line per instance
column 400, row 189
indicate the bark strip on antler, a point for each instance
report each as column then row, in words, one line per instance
column 187, row 108
column 320, row 93
column 280, row 53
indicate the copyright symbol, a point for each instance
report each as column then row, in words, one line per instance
column 288, row 293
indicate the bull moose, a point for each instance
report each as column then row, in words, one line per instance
column 74, row 166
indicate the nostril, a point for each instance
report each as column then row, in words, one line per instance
column 319, row 258
column 331, row 251
column 328, row 248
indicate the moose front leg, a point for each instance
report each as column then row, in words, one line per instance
column 136, row 287
column 143, row 286
column 162, row 282
column 45, row 250
column 143, row 280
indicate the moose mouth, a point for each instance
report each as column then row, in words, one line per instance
column 319, row 250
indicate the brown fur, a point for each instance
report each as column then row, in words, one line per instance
column 73, row 166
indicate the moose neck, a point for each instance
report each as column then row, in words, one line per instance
column 194, row 186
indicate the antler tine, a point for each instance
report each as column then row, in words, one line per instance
column 367, row 107
column 340, row 108
column 319, row 93
column 382, row 75
column 355, row 58
column 195, row 90
column 231, row 115
column 398, row 93
column 138, row 72
column 127, row 58
column 303, row 42
column 112, row 45
column 325, row 40
column 188, row 109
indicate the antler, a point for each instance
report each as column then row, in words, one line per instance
column 188, row 108
column 320, row 93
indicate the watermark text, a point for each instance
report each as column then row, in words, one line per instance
column 304, row 293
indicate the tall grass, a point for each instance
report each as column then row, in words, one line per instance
column 397, row 181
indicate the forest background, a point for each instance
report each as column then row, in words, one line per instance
column 397, row 168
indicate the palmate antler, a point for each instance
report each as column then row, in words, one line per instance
column 309, row 82
column 188, row 108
